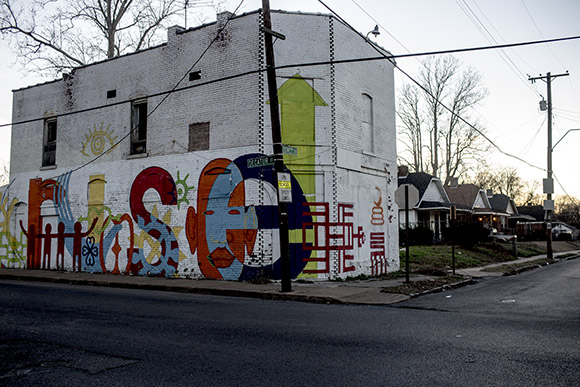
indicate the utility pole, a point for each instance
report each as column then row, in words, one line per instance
column 277, row 140
column 549, row 182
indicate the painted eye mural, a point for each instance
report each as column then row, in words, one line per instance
column 224, row 229
column 98, row 140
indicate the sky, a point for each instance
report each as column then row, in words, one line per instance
column 510, row 113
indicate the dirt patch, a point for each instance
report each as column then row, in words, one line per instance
column 557, row 246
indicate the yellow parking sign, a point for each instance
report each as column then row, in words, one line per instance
column 284, row 187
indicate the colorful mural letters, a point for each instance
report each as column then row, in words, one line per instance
column 218, row 222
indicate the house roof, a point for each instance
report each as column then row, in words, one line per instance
column 537, row 212
column 499, row 202
column 420, row 180
column 431, row 192
column 464, row 194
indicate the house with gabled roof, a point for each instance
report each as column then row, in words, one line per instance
column 432, row 210
column 472, row 203
column 507, row 212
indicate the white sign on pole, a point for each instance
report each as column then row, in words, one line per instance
column 400, row 196
column 284, row 188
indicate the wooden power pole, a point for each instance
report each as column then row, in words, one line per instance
column 277, row 140
column 549, row 182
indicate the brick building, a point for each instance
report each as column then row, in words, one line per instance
column 146, row 164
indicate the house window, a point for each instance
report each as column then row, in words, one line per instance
column 49, row 143
column 367, row 123
column 139, row 127
column 199, row 136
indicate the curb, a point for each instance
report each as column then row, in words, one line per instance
column 442, row 288
column 258, row 294
column 538, row 265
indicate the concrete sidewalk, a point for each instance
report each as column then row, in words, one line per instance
column 477, row 272
column 362, row 292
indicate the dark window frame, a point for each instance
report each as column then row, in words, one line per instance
column 138, row 127
column 49, row 142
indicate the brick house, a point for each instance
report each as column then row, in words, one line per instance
column 151, row 163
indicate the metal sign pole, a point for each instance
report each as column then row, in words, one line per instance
column 407, row 233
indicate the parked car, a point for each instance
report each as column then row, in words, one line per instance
column 494, row 235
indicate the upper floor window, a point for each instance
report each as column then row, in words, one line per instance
column 368, row 135
column 49, row 143
column 139, row 127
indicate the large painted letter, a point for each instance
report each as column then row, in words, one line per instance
column 161, row 181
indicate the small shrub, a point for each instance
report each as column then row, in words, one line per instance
column 466, row 234
column 418, row 236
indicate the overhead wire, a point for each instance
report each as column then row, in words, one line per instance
column 483, row 135
column 167, row 94
column 528, row 146
column 493, row 41
column 490, row 38
column 383, row 56
column 377, row 22
column 551, row 51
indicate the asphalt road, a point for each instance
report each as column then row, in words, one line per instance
column 522, row 330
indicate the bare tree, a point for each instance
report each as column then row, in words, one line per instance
column 53, row 36
column 505, row 181
column 568, row 210
column 530, row 195
column 452, row 146
column 409, row 113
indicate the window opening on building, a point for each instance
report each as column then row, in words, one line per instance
column 199, row 136
column 112, row 93
column 139, row 127
column 367, row 123
column 195, row 75
column 49, row 143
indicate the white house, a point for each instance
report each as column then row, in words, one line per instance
column 432, row 209
column 151, row 163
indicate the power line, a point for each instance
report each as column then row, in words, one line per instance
column 167, row 94
column 432, row 96
column 383, row 56
column 476, row 21
column 550, row 49
column 540, row 32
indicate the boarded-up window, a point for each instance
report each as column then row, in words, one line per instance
column 96, row 190
column 199, row 136
column 367, row 123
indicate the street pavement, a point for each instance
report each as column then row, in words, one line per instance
column 361, row 292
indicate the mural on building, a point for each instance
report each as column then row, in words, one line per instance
column 98, row 140
column 220, row 221
column 12, row 242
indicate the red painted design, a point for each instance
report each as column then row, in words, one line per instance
column 332, row 236
column 378, row 253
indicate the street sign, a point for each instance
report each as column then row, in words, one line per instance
column 284, row 188
column 289, row 150
column 260, row 161
column 400, row 196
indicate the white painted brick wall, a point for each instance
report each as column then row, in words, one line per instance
column 230, row 106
